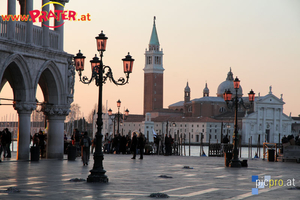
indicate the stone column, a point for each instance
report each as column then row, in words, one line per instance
column 11, row 24
column 257, row 121
column 280, row 121
column 24, row 110
column 55, row 136
column 45, row 28
column 60, row 29
column 264, row 119
column 275, row 133
column 29, row 26
column 55, row 123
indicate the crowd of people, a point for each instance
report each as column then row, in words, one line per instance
column 125, row 144
column 291, row 140
column 5, row 141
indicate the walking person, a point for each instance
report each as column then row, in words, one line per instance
column 107, row 141
column 133, row 145
column 93, row 144
column 85, row 144
column 8, row 142
column 123, row 142
column 3, row 142
column 141, row 144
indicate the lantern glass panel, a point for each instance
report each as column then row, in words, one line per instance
column 127, row 66
column 118, row 103
column 126, row 112
column 79, row 63
column 101, row 44
column 251, row 96
column 228, row 96
column 94, row 65
column 236, row 83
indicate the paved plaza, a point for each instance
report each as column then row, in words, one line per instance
column 206, row 178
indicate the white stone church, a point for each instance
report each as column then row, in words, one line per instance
column 267, row 120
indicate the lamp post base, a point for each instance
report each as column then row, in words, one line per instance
column 235, row 163
column 97, row 177
column 97, row 173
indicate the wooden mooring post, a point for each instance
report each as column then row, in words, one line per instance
column 240, row 147
column 184, row 144
column 258, row 146
column 251, row 147
column 189, row 144
column 201, row 144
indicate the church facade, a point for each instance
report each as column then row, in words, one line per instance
column 262, row 122
column 268, row 122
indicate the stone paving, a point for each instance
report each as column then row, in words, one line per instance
column 129, row 179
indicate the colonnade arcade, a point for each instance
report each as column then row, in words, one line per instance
column 57, row 92
column 33, row 55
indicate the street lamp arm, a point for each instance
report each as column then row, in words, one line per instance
column 116, row 115
column 109, row 75
column 240, row 101
column 85, row 79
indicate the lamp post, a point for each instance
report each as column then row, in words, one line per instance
column 235, row 162
column 118, row 115
column 100, row 73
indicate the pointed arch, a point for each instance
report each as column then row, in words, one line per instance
column 51, row 82
column 15, row 70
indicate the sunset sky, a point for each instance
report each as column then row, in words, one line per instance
column 201, row 40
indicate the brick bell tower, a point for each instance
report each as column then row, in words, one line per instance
column 153, row 74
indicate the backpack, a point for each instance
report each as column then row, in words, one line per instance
column 86, row 142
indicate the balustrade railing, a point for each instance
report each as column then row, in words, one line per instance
column 53, row 39
column 20, row 31
column 37, row 35
column 3, row 28
column 20, row 34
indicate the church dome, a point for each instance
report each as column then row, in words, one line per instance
column 228, row 85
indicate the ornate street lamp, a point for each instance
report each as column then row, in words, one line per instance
column 118, row 115
column 100, row 73
column 235, row 162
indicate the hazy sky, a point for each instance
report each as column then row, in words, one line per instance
column 201, row 40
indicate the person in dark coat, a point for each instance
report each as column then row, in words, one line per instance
column 123, row 144
column 133, row 145
column 141, row 144
column 128, row 142
column 116, row 143
column 8, row 142
column 4, row 141
column 225, row 139
column 167, row 145
column 41, row 143
column 85, row 144
column 35, row 140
